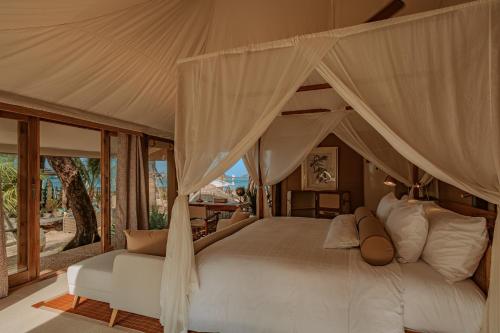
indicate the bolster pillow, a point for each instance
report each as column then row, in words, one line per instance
column 375, row 244
column 362, row 212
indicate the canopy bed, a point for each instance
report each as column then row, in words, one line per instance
column 277, row 275
column 422, row 89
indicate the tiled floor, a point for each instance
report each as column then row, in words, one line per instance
column 17, row 314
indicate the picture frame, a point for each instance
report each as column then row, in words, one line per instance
column 320, row 170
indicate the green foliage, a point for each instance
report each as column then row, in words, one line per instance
column 8, row 175
column 157, row 219
column 251, row 198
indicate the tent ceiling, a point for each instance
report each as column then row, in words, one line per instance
column 115, row 60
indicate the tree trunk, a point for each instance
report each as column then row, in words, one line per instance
column 78, row 201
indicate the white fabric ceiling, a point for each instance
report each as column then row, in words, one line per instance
column 114, row 61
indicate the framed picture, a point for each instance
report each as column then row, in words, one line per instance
column 319, row 169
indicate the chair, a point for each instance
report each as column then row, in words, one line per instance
column 201, row 222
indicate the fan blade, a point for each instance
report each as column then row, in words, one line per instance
column 388, row 11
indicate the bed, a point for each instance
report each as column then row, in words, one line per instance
column 275, row 276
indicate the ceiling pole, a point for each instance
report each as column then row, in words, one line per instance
column 260, row 187
column 310, row 87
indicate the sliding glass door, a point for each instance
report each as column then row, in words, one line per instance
column 14, row 187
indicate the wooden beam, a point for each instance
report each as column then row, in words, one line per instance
column 307, row 111
column 34, row 197
column 296, row 112
column 310, row 87
column 6, row 108
column 22, row 194
column 392, row 8
column 171, row 181
column 415, row 181
column 260, row 188
column 105, row 191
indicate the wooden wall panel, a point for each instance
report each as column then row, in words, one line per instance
column 171, row 180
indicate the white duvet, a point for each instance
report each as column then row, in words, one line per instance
column 275, row 276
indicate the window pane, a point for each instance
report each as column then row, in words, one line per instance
column 70, row 195
column 112, row 180
column 158, row 201
column 14, row 222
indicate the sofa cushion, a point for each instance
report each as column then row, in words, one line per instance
column 152, row 242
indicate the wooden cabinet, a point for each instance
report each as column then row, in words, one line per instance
column 318, row 204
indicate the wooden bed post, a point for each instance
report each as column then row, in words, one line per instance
column 416, row 190
column 260, row 189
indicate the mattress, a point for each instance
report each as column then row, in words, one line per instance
column 433, row 305
column 274, row 276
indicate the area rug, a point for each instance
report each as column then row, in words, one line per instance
column 101, row 311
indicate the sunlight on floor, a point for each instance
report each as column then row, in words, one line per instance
column 17, row 314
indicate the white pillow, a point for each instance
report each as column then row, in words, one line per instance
column 385, row 206
column 343, row 233
column 455, row 243
column 408, row 226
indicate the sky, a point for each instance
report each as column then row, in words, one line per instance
column 238, row 169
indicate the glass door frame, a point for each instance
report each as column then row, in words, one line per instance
column 27, row 197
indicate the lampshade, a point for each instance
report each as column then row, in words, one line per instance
column 389, row 181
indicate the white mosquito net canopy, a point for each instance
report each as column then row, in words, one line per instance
column 428, row 85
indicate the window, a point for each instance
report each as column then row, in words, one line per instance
column 15, row 219
column 70, row 198
column 158, row 152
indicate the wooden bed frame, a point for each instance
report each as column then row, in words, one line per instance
column 482, row 275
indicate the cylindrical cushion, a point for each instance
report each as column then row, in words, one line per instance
column 362, row 212
column 375, row 244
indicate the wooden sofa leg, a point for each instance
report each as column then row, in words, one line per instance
column 113, row 318
column 76, row 299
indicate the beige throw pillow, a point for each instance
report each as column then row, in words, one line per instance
column 152, row 242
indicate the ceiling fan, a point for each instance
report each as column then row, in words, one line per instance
column 388, row 11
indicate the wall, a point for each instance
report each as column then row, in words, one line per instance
column 350, row 174
column 374, row 185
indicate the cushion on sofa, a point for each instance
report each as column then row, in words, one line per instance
column 152, row 242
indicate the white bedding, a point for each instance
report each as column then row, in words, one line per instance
column 433, row 305
column 274, row 276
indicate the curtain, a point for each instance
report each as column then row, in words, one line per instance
column 430, row 86
column 251, row 160
column 4, row 273
column 225, row 103
column 366, row 141
column 131, row 186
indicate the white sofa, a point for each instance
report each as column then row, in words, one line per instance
column 136, row 284
column 92, row 278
